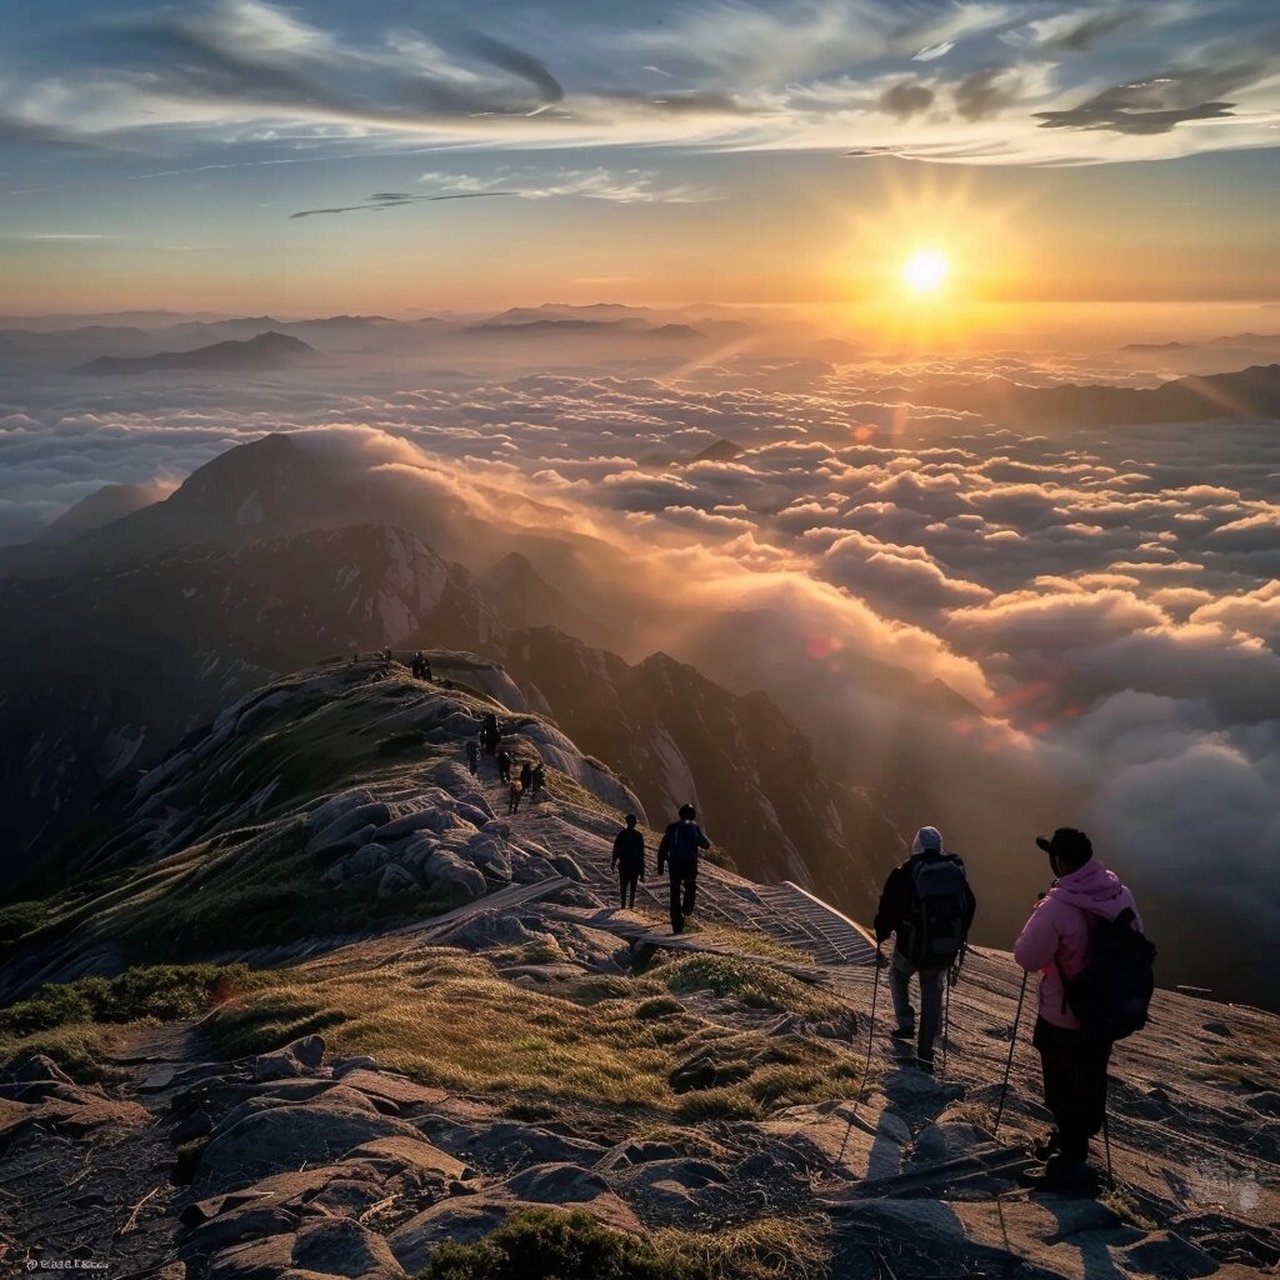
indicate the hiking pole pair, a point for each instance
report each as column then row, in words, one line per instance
column 1013, row 1044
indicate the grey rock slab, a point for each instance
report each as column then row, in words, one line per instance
column 263, row 1259
column 559, row 1183
column 517, row 1143
column 286, row 1137
column 394, row 881
column 342, row 1247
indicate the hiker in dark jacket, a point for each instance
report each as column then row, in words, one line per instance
column 504, row 766
column 539, row 778
column 679, row 847
column 490, row 735
column 1056, row 942
column 473, row 755
column 526, row 775
column 899, row 914
column 628, row 858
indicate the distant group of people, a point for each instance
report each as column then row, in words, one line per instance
column 523, row 777
column 1084, row 938
column 420, row 667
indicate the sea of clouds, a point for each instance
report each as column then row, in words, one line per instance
column 1107, row 599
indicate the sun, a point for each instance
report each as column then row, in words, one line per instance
column 925, row 271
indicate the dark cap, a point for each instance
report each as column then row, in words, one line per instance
column 1071, row 846
column 687, row 812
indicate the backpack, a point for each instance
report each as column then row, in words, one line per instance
column 1111, row 994
column 939, row 906
column 682, row 844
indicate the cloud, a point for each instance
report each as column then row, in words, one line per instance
column 906, row 98
column 736, row 74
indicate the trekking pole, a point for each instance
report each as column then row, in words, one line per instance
column 866, row 1067
column 950, row 980
column 1013, row 1044
column 1106, row 1137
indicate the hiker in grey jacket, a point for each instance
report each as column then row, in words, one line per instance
column 899, row 915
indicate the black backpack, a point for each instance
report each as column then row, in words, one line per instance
column 1112, row 993
column 938, row 910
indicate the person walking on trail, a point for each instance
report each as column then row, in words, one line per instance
column 679, row 847
column 539, row 778
column 473, row 755
column 504, row 766
column 514, row 792
column 928, row 906
column 1086, row 924
column 526, row 775
column 490, row 734
column 628, row 858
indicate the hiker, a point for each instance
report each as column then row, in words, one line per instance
column 539, row 778
column 355, row 656
column 504, row 766
column 928, row 906
column 679, row 846
column 427, row 674
column 489, row 734
column 526, row 775
column 415, row 668
column 473, row 755
column 628, row 858
column 1063, row 938
column 514, row 793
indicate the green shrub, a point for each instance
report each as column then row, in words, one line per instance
column 718, row 1104
column 658, row 1007
column 20, row 918
column 164, row 991
column 754, row 983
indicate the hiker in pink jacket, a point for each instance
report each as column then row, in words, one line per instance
column 1055, row 943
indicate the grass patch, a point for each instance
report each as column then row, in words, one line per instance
column 732, row 1103
column 164, row 992
column 21, row 918
column 547, row 1244
column 658, row 1007
column 76, row 1023
column 756, row 984
column 445, row 1019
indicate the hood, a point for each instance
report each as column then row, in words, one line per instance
column 1093, row 888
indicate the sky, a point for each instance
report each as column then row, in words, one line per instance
column 451, row 156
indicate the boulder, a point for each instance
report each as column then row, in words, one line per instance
column 343, row 848
column 367, row 858
column 262, row 1259
column 338, row 805
column 340, row 829
column 309, row 1050
column 488, row 929
column 520, row 1143
column 342, row 1247
column 395, row 880
column 446, row 871
column 566, row 866
column 434, row 819
column 275, row 1139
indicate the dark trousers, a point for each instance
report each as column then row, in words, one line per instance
column 684, row 892
column 1075, row 1084
column 627, row 881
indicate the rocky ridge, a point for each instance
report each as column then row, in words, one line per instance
column 461, row 1028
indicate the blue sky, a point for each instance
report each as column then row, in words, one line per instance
column 135, row 135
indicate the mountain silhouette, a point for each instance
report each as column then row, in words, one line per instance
column 266, row 351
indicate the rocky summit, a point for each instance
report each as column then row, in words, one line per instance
column 304, row 999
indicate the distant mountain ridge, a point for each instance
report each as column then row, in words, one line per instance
column 268, row 350
column 1250, row 393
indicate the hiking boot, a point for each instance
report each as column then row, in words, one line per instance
column 1065, row 1177
column 903, row 1033
column 924, row 1062
column 1048, row 1146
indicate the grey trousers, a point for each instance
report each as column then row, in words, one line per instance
column 931, row 981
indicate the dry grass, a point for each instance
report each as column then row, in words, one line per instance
column 447, row 1020
column 444, row 1017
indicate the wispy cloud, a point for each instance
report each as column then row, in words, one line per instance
column 1011, row 80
